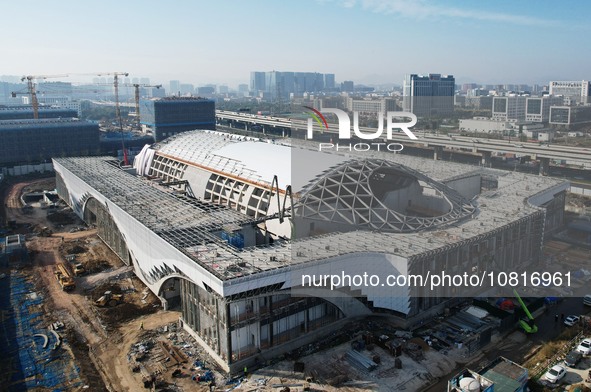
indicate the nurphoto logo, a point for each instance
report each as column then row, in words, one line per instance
column 344, row 123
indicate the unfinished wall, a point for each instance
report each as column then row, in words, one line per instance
column 510, row 248
column 238, row 329
column 467, row 186
column 96, row 214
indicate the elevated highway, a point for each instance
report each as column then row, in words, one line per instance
column 542, row 152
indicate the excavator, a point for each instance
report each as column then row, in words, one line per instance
column 527, row 323
column 109, row 299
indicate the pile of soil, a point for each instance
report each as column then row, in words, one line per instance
column 98, row 291
column 93, row 266
column 72, row 248
column 61, row 218
column 124, row 312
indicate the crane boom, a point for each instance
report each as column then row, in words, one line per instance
column 117, row 108
column 33, row 92
column 116, row 87
column 528, row 325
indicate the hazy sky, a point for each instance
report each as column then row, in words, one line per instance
column 367, row 41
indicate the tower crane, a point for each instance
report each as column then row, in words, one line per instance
column 33, row 92
column 116, row 87
column 117, row 108
column 137, row 99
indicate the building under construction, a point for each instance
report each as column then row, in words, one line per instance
column 167, row 116
column 25, row 112
column 27, row 141
column 226, row 227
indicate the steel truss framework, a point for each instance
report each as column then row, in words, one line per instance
column 343, row 195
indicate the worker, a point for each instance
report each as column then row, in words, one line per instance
column 142, row 325
column 245, row 371
column 556, row 318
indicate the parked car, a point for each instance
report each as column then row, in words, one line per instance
column 585, row 346
column 555, row 374
column 573, row 358
column 571, row 320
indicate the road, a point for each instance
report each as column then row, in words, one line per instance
column 576, row 155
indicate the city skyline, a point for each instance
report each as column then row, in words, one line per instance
column 371, row 41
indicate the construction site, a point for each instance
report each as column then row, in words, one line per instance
column 184, row 271
column 55, row 310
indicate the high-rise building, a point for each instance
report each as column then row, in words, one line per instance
column 569, row 115
column 205, row 91
column 537, row 109
column 468, row 86
column 429, row 95
column 573, row 91
column 156, row 92
column 175, row 87
column 168, row 116
column 257, row 82
column 187, row 89
column 329, row 81
column 479, row 101
column 509, row 108
column 275, row 84
column 348, row 86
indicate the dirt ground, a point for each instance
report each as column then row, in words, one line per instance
column 102, row 334
column 331, row 371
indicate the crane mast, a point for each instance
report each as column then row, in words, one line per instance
column 33, row 91
column 137, row 86
column 116, row 88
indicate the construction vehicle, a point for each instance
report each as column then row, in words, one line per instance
column 45, row 232
column 109, row 299
column 527, row 323
column 79, row 269
column 64, row 277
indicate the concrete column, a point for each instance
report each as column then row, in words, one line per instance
column 544, row 166
column 271, row 321
column 485, row 161
column 218, row 320
column 228, row 334
column 437, row 153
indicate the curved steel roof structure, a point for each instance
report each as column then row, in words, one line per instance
column 352, row 193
